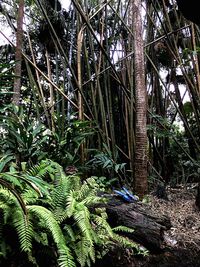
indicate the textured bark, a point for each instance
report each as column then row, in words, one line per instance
column 18, row 53
column 140, row 185
column 149, row 232
column 148, row 227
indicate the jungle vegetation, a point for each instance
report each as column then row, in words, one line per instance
column 93, row 96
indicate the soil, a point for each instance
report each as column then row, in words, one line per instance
column 181, row 246
column 184, row 216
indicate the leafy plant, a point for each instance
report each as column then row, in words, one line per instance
column 64, row 146
column 66, row 219
column 104, row 183
column 21, row 137
column 107, row 162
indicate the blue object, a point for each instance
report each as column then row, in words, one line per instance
column 135, row 198
column 126, row 195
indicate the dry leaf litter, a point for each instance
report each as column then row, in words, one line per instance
column 184, row 216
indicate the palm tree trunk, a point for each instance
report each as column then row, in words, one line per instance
column 18, row 53
column 140, row 181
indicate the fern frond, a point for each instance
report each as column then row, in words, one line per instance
column 29, row 196
column 82, row 216
column 60, row 192
column 14, row 215
column 125, row 242
column 70, row 233
column 91, row 252
column 12, row 178
column 41, row 238
column 65, row 259
column 4, row 212
column 84, row 248
column 24, row 230
column 84, row 191
column 70, row 204
column 8, row 187
column 123, row 229
column 52, row 226
column 36, row 183
column 92, row 183
column 88, row 192
column 42, row 169
column 103, row 226
column 75, row 182
column 61, row 214
column 92, row 200
column 49, row 222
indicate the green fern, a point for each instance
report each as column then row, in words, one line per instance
column 14, row 216
column 121, row 228
column 29, row 196
column 12, row 178
column 62, row 218
column 65, row 259
column 5, row 212
column 69, row 232
column 24, row 230
column 84, row 251
column 82, row 219
column 52, row 226
column 61, row 191
column 103, row 227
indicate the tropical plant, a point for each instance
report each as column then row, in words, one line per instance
column 22, row 137
column 25, row 139
column 65, row 219
column 81, row 60
column 64, row 146
column 106, row 163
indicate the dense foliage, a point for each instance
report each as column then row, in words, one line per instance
column 59, row 221
column 77, row 112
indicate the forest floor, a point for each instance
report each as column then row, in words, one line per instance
column 177, row 246
column 185, row 217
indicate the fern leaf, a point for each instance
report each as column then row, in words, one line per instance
column 102, row 224
column 94, row 200
column 71, row 204
column 29, row 196
column 83, row 192
column 65, row 258
column 91, row 253
column 12, row 178
column 123, row 229
column 24, row 230
column 4, row 212
column 70, row 233
column 60, row 192
column 15, row 194
column 49, row 221
column 82, row 250
column 81, row 217
column 126, row 242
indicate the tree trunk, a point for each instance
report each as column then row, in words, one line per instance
column 140, row 182
column 18, row 53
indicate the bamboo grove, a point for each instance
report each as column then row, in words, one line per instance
column 77, row 75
